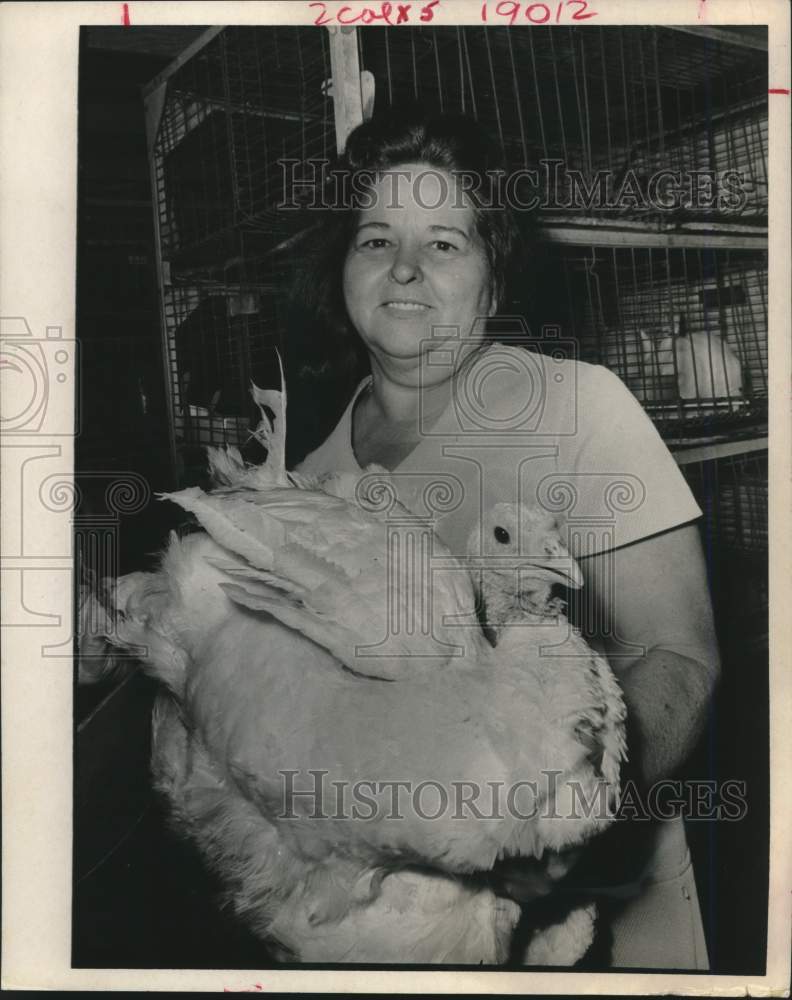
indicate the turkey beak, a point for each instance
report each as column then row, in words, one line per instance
column 555, row 565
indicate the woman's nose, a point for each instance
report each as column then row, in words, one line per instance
column 405, row 267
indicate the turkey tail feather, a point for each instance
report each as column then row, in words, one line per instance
column 271, row 431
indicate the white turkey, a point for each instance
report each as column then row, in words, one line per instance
column 259, row 629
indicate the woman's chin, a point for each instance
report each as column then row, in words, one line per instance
column 404, row 343
column 404, row 338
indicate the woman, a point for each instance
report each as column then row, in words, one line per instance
column 414, row 271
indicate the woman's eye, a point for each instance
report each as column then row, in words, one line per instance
column 375, row 243
column 443, row 245
column 501, row 535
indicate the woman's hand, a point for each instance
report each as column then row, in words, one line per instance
column 527, row 879
column 663, row 649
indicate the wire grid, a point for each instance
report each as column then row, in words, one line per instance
column 732, row 493
column 607, row 97
column 222, row 337
column 686, row 330
column 250, row 98
column 639, row 98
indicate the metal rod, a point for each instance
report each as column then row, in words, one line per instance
column 581, row 116
column 461, row 68
column 439, row 74
column 495, row 100
column 559, row 104
column 471, row 82
column 388, row 66
column 538, row 95
column 414, row 64
column 608, row 140
column 518, row 99
column 345, row 70
column 592, row 232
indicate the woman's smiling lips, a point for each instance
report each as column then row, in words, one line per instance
column 404, row 306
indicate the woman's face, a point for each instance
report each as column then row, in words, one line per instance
column 417, row 270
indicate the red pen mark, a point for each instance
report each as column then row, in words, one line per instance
column 126, row 15
column 778, row 90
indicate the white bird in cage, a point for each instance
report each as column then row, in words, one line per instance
column 259, row 630
column 700, row 365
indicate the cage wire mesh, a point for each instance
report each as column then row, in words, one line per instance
column 733, row 495
column 684, row 327
column 614, row 99
column 250, row 99
column 248, row 106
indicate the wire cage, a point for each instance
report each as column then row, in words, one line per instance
column 247, row 102
column 224, row 335
column 685, row 329
column 649, row 146
column 237, row 123
column 626, row 101
column 732, row 492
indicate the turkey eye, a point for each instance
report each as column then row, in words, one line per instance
column 502, row 535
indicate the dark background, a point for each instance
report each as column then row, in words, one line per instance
column 141, row 898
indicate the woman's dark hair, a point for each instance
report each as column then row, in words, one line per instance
column 455, row 144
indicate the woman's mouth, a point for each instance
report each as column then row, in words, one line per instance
column 405, row 306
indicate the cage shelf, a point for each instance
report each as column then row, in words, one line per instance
column 664, row 233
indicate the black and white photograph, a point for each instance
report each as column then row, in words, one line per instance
column 424, row 381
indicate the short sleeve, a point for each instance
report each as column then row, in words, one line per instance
column 625, row 480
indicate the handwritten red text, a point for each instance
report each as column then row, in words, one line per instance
column 382, row 13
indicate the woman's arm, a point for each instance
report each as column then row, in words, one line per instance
column 658, row 600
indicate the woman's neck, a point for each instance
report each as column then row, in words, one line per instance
column 396, row 411
column 390, row 419
column 404, row 406
column 414, row 400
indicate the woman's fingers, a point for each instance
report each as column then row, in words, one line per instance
column 526, row 879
